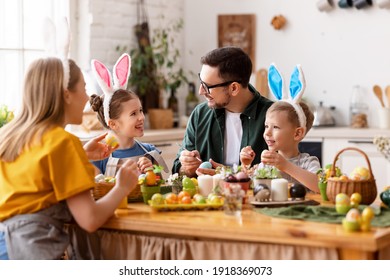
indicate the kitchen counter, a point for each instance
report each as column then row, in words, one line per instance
column 346, row 132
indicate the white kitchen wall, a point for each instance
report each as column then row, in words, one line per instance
column 337, row 49
column 102, row 25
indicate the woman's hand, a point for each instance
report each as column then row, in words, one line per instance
column 97, row 150
column 144, row 163
column 127, row 176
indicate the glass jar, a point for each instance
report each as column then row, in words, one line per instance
column 358, row 108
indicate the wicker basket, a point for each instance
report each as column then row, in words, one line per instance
column 367, row 188
column 101, row 189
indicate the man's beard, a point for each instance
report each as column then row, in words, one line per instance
column 221, row 105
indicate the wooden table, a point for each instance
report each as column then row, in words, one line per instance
column 251, row 228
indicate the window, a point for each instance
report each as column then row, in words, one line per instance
column 21, row 41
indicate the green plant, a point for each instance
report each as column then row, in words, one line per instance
column 324, row 173
column 6, row 115
column 157, row 66
column 267, row 172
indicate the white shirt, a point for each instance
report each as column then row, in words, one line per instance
column 233, row 136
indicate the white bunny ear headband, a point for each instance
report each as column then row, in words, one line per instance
column 297, row 88
column 57, row 42
column 121, row 72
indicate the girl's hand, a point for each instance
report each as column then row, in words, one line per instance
column 247, row 155
column 97, row 150
column 144, row 163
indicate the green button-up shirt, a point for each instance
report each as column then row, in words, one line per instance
column 205, row 130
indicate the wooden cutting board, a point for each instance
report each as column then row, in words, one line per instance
column 262, row 82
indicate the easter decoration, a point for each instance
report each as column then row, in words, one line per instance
column 323, row 175
column 385, row 197
column 233, row 176
column 297, row 88
column 111, row 140
column 361, row 180
column 354, row 220
column 150, row 182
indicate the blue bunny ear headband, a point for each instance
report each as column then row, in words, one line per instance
column 297, row 88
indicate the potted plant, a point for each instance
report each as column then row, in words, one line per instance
column 156, row 68
column 6, row 115
column 150, row 182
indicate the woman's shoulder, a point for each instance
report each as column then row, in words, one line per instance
column 58, row 136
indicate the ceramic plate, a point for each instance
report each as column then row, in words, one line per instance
column 182, row 207
column 283, row 203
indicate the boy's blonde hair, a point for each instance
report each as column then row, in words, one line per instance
column 42, row 106
column 292, row 115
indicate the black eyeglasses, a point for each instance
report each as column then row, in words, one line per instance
column 207, row 87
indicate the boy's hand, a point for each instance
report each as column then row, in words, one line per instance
column 273, row 158
column 247, row 155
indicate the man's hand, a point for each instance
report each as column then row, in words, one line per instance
column 208, row 171
column 189, row 162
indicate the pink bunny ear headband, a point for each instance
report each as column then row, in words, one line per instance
column 57, row 43
column 297, row 88
column 121, row 72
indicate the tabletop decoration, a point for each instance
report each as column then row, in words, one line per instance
column 175, row 180
column 235, row 175
column 262, row 175
column 361, row 180
column 378, row 217
column 103, row 184
column 150, row 182
column 323, row 175
column 355, row 221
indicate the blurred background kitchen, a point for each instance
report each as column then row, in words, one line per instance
column 338, row 49
column 344, row 53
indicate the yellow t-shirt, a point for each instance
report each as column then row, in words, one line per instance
column 45, row 174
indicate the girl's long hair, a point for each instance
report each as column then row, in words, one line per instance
column 42, row 106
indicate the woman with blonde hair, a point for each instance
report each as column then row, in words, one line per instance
column 45, row 174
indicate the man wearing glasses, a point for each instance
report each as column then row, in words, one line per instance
column 232, row 118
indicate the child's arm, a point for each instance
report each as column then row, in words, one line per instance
column 307, row 178
column 91, row 215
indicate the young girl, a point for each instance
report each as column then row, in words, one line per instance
column 121, row 111
column 45, row 175
column 286, row 124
